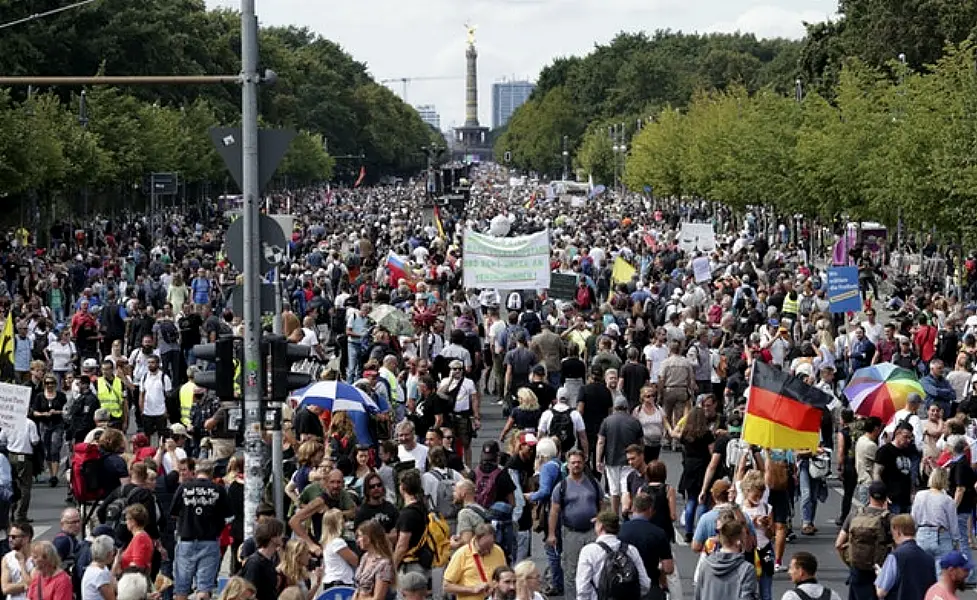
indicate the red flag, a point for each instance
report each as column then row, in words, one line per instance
column 360, row 179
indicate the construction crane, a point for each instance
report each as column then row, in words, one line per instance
column 405, row 80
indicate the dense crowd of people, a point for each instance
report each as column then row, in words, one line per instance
column 595, row 386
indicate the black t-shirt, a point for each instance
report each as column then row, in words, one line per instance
column 635, row 376
column 261, row 572
column 304, row 422
column 385, row 514
column 190, row 330
column 651, row 542
column 962, row 475
column 201, row 508
column 896, row 471
column 597, row 403
column 545, row 394
column 41, row 404
column 413, row 520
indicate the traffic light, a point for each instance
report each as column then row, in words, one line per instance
column 283, row 355
column 220, row 380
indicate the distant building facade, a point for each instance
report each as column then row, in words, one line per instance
column 429, row 114
column 507, row 96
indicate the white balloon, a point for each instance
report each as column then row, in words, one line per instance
column 500, row 226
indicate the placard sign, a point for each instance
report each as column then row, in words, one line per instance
column 507, row 263
column 843, row 294
column 14, row 402
column 700, row 267
column 697, row 237
column 563, row 286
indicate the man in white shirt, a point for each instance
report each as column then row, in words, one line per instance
column 593, row 558
column 20, row 443
column 153, row 387
column 408, row 449
column 561, row 406
column 873, row 330
column 911, row 414
column 17, row 565
column 655, row 353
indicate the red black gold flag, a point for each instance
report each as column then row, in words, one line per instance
column 782, row 411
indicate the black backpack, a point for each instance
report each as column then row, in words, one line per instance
column 619, row 577
column 168, row 332
column 561, row 426
column 530, row 320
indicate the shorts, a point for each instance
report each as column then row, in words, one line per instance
column 616, row 478
column 198, row 560
column 780, row 503
column 155, row 424
column 464, row 431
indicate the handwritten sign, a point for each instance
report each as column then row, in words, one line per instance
column 14, row 402
column 700, row 267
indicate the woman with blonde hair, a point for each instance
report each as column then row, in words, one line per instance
column 178, row 293
column 309, row 456
column 824, row 346
column 524, row 416
column 338, row 560
column 238, row 588
column 375, row 575
column 528, row 580
column 936, row 512
column 293, row 569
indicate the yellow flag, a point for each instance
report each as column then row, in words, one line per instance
column 7, row 340
column 622, row 271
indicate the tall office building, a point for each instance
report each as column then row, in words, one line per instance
column 507, row 96
column 429, row 114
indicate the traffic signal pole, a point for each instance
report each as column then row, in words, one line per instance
column 253, row 445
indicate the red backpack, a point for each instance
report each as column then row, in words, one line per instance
column 86, row 466
column 485, row 486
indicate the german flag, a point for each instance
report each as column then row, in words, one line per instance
column 782, row 411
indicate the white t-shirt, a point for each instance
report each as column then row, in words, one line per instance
column 418, row 455
column 655, row 355
column 873, row 332
column 95, row 577
column 309, row 338
column 334, row 567
column 547, row 417
column 155, row 387
column 463, row 401
column 61, row 355
column 168, row 465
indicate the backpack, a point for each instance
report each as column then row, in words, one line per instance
column 86, row 467
column 530, row 320
column 561, row 426
column 443, row 501
column 115, row 510
column 157, row 295
column 865, row 535
column 655, row 311
column 434, row 549
column 619, row 577
column 168, row 332
column 485, row 486
column 499, row 515
column 68, row 562
column 825, row 594
column 735, row 450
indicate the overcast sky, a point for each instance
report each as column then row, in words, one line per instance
column 515, row 38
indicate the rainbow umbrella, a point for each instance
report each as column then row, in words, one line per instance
column 881, row 390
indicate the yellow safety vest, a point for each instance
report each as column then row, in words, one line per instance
column 791, row 306
column 186, row 401
column 111, row 398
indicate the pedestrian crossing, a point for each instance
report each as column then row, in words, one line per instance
column 40, row 530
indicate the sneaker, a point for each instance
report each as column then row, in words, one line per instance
column 53, row 481
column 779, row 567
column 688, row 538
column 552, row 591
column 791, row 536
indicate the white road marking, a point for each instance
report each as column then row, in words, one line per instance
column 40, row 530
column 680, row 536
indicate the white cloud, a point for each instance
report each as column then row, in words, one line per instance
column 515, row 38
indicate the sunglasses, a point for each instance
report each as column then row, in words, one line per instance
column 376, row 486
column 50, row 382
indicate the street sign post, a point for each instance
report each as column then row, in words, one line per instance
column 274, row 144
column 272, row 246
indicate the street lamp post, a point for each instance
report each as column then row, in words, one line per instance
column 83, row 121
column 566, row 158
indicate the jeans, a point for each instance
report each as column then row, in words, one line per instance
column 861, row 585
column 196, row 559
column 962, row 522
column 354, row 349
column 693, row 511
column 809, row 493
column 935, row 542
column 553, row 559
column 766, row 587
column 554, row 379
column 524, row 544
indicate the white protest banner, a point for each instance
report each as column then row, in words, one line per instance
column 507, row 263
column 14, row 402
column 700, row 267
column 697, row 237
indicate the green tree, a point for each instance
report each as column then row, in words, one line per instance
column 595, row 156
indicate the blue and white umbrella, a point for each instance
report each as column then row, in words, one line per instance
column 335, row 396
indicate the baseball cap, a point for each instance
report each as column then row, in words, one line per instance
column 529, row 438
column 773, row 322
column 491, row 448
column 956, row 559
column 178, row 429
column 109, row 531
column 539, row 370
column 89, row 363
column 877, row 490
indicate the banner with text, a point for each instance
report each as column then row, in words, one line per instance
column 843, row 294
column 14, row 402
column 507, row 263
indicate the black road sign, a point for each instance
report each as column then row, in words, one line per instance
column 164, row 184
column 236, row 303
column 563, row 286
column 272, row 146
column 272, row 249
